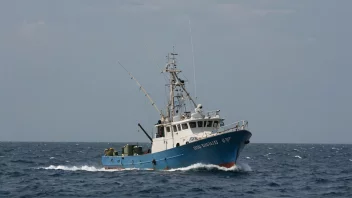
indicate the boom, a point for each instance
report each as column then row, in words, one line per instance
column 141, row 87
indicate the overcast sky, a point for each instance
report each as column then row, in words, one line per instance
column 284, row 66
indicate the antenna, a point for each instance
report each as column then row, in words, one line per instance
column 140, row 86
column 194, row 65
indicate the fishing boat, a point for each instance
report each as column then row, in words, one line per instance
column 183, row 137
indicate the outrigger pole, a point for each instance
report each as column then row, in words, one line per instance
column 145, row 132
column 140, row 86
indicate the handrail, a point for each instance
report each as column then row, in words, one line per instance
column 239, row 125
column 212, row 113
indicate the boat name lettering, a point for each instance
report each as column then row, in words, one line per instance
column 224, row 140
column 211, row 143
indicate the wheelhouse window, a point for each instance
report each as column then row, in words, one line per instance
column 175, row 128
column 161, row 132
column 167, row 129
column 179, row 127
column 200, row 123
column 216, row 124
column 209, row 124
column 192, row 124
column 184, row 126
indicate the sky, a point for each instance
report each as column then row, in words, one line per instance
column 282, row 65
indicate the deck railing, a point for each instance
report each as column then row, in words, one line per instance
column 236, row 126
column 211, row 114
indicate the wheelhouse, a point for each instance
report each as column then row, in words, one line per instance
column 193, row 126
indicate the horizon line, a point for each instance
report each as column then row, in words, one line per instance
column 32, row 141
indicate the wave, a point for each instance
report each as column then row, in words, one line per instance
column 77, row 168
column 23, row 161
column 212, row 167
column 266, row 155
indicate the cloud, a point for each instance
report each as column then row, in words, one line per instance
column 265, row 12
column 122, row 7
column 232, row 9
column 30, row 29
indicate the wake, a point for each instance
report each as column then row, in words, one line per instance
column 212, row 167
column 78, row 168
column 194, row 167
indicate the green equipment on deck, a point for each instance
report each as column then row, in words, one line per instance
column 109, row 152
column 137, row 150
column 129, row 150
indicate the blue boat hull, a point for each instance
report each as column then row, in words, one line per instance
column 222, row 150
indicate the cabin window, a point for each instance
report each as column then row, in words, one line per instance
column 161, row 132
column 192, row 125
column 216, row 124
column 184, row 126
column 179, row 127
column 167, row 129
column 175, row 128
column 209, row 123
column 200, row 123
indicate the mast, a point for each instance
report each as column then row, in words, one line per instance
column 172, row 99
column 170, row 68
column 176, row 84
column 177, row 87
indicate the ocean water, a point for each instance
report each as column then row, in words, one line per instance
column 263, row 170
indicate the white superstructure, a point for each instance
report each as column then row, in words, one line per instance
column 179, row 126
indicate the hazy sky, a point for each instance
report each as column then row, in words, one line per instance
column 284, row 66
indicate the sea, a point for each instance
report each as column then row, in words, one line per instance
column 73, row 169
